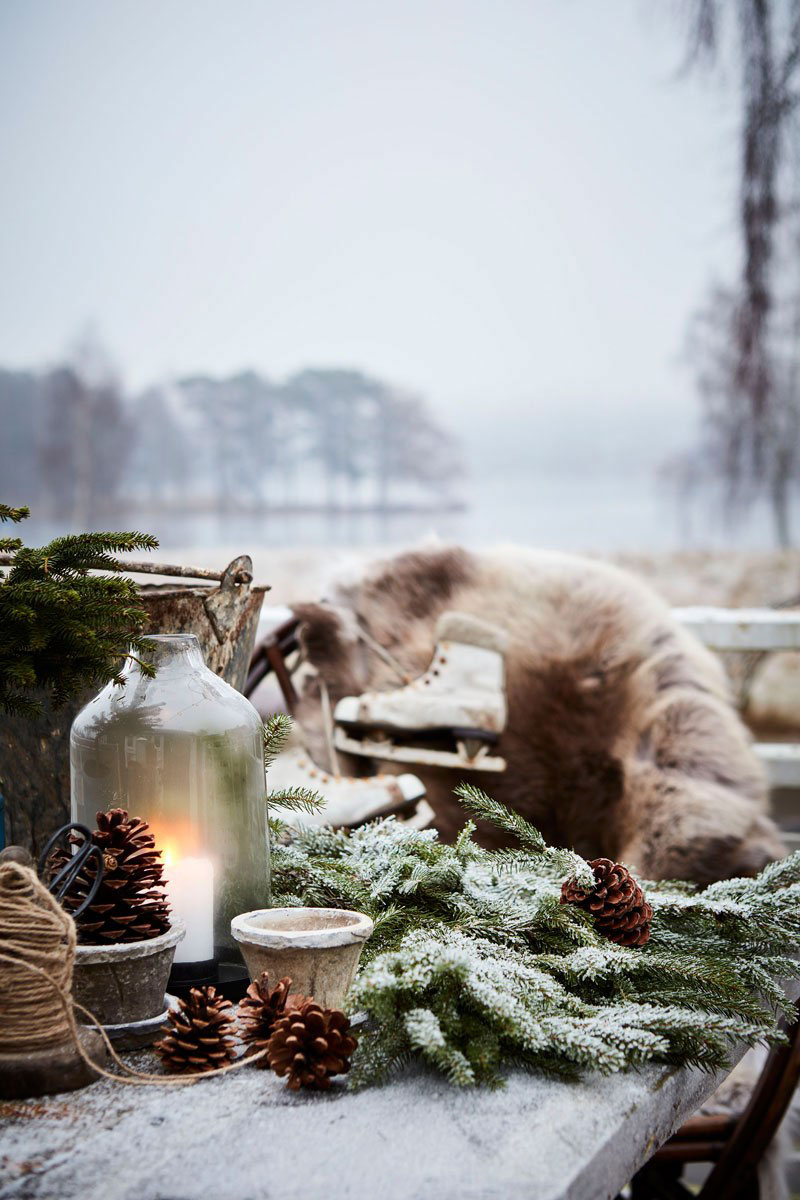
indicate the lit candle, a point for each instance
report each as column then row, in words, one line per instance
column 190, row 887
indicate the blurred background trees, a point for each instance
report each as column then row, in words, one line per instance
column 78, row 450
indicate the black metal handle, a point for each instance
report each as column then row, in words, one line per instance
column 62, row 881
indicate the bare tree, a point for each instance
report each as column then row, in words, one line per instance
column 21, row 419
column 162, row 462
column 409, row 446
column 745, row 341
column 236, row 421
column 86, row 442
column 337, row 403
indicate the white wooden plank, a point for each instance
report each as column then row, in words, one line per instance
column 782, row 760
column 743, row 628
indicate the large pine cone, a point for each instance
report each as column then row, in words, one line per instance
column 199, row 1033
column 131, row 904
column 311, row 1044
column 616, row 902
column 261, row 1009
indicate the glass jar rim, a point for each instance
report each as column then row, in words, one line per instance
column 171, row 637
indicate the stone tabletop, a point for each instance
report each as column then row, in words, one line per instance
column 244, row 1136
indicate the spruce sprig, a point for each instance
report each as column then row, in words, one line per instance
column 479, row 805
column 274, row 735
column 63, row 629
column 16, row 515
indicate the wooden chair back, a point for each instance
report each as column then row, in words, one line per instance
column 270, row 655
column 735, row 1170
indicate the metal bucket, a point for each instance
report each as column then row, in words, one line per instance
column 34, row 754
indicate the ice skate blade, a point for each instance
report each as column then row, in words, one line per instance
column 421, row 819
column 386, row 750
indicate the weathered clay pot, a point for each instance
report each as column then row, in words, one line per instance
column 318, row 948
column 124, row 984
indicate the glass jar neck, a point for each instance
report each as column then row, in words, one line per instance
column 169, row 653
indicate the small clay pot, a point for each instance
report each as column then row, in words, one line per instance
column 124, row 984
column 318, row 948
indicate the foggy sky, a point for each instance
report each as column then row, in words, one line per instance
column 512, row 207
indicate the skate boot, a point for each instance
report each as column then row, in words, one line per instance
column 349, row 801
column 449, row 717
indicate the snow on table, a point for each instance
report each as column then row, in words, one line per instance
column 244, row 1136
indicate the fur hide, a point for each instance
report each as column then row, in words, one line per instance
column 621, row 736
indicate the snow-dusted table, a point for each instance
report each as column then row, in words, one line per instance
column 245, row 1137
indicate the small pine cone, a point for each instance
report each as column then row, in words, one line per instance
column 199, row 1033
column 260, row 1010
column 616, row 902
column 131, row 903
column 310, row 1044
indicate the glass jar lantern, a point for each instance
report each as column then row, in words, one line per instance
column 183, row 751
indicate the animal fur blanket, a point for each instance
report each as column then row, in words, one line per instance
column 622, row 739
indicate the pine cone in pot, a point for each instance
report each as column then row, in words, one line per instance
column 261, row 1009
column 311, row 1044
column 131, row 903
column 199, row 1033
column 616, row 902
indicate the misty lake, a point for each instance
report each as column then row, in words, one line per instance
column 598, row 512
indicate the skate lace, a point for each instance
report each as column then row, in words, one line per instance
column 325, row 699
column 327, row 724
column 383, row 653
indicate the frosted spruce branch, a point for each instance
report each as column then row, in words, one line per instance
column 475, row 965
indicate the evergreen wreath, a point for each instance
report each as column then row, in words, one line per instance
column 62, row 629
column 476, row 965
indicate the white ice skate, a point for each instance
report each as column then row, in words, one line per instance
column 449, row 717
column 349, row 801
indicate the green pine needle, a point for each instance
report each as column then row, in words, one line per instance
column 14, row 514
column 296, row 799
column 479, row 805
column 275, row 734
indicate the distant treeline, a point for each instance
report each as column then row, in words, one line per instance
column 75, row 446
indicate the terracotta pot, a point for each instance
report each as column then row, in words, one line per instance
column 124, row 984
column 318, row 948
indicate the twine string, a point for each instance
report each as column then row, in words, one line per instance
column 37, row 942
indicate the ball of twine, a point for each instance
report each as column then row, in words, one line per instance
column 37, row 948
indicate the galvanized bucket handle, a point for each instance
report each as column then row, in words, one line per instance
column 238, row 572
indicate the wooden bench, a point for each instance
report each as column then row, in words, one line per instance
column 760, row 630
column 753, row 629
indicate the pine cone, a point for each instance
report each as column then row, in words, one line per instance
column 199, row 1035
column 616, row 902
column 131, row 904
column 310, row 1045
column 261, row 1008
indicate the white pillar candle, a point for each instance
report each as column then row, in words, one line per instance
column 190, row 887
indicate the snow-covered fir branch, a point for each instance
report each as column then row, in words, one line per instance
column 475, row 964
